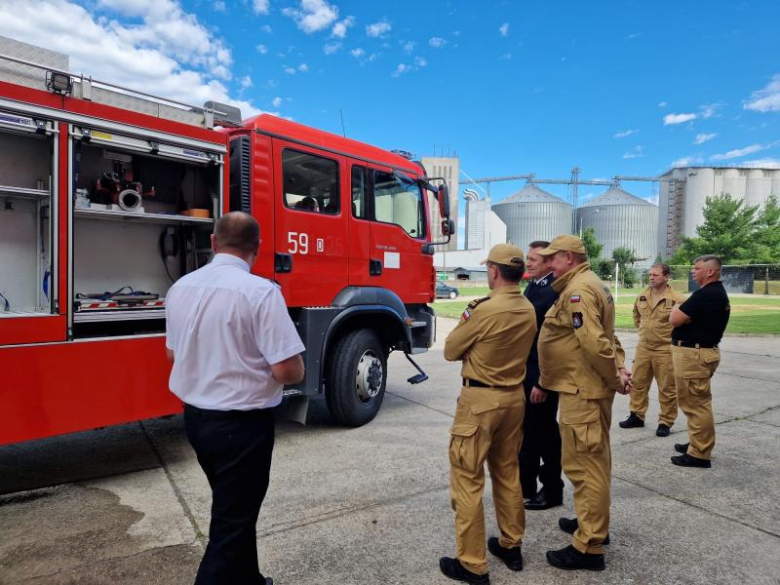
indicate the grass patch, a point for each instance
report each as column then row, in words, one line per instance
column 750, row 314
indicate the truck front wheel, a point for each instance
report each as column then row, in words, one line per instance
column 357, row 375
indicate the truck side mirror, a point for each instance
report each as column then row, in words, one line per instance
column 447, row 227
column 444, row 201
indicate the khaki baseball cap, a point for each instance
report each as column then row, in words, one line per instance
column 564, row 243
column 505, row 254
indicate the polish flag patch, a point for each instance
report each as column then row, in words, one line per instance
column 575, row 298
column 465, row 316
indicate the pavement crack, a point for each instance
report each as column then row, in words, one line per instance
column 200, row 537
column 447, row 414
column 720, row 373
column 696, row 506
column 326, row 516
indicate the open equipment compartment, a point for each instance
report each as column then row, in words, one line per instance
column 143, row 212
column 27, row 159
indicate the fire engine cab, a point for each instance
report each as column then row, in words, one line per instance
column 108, row 196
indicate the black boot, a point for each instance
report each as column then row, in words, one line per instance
column 570, row 525
column 686, row 460
column 570, row 558
column 632, row 422
column 454, row 570
column 542, row 501
column 512, row 557
column 681, row 447
column 663, row 430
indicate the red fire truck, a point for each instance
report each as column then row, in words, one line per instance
column 108, row 196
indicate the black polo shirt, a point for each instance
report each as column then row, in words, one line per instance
column 709, row 311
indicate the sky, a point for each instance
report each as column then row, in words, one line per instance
column 614, row 87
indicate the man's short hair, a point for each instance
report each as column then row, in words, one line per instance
column 513, row 274
column 665, row 270
column 539, row 244
column 239, row 231
column 710, row 258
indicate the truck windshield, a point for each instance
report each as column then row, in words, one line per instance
column 398, row 200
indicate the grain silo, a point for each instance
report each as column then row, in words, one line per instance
column 622, row 220
column 533, row 214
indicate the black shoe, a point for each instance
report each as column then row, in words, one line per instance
column 570, row 525
column 570, row 558
column 269, row 581
column 541, row 502
column 686, row 460
column 662, row 431
column 681, row 447
column 512, row 557
column 454, row 570
column 632, row 422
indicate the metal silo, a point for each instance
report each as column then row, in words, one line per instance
column 622, row 220
column 533, row 214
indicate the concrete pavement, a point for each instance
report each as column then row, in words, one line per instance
column 129, row 504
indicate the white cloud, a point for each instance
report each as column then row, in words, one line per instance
column 624, row 133
column 378, row 28
column 738, row 152
column 506, row 56
column 303, row 67
column 400, row 70
column 636, row 152
column 340, row 28
column 313, row 15
column 262, row 49
column 765, row 163
column 266, row 28
column 709, row 110
column 331, row 48
column 420, row 61
column 277, row 101
column 766, row 99
column 437, row 42
column 408, row 46
column 662, row 104
column 504, row 29
column 702, row 138
column 357, row 52
column 687, row 161
column 260, row 6
column 219, row 6
column 672, row 119
column 289, row 70
column 169, row 52
column 246, row 82
column 633, row 36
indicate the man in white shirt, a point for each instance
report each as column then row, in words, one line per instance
column 233, row 348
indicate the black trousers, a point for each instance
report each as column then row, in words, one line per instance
column 540, row 454
column 234, row 450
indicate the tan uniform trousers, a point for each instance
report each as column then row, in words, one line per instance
column 649, row 364
column 488, row 426
column 587, row 462
column 693, row 369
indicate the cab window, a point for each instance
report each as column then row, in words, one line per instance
column 359, row 193
column 311, row 182
column 398, row 200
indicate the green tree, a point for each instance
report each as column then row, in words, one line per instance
column 624, row 259
column 767, row 235
column 728, row 230
column 592, row 246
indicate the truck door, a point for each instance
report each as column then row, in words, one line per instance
column 311, row 256
column 398, row 233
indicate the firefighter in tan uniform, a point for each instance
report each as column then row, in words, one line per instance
column 492, row 339
column 581, row 359
column 699, row 324
column 653, row 357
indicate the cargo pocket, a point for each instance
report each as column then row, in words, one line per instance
column 586, row 428
column 463, row 446
column 711, row 359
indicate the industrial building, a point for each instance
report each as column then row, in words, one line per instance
column 622, row 220
column 475, row 219
column 447, row 168
column 534, row 214
column 684, row 191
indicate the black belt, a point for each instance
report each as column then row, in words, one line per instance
column 257, row 413
column 693, row 345
column 477, row 384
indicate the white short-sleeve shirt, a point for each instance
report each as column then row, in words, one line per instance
column 226, row 327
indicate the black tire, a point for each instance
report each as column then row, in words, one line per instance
column 356, row 378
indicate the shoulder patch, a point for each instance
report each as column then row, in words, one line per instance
column 473, row 304
column 574, row 299
column 465, row 316
column 576, row 320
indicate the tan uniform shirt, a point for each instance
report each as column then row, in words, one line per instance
column 651, row 317
column 494, row 334
column 578, row 350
